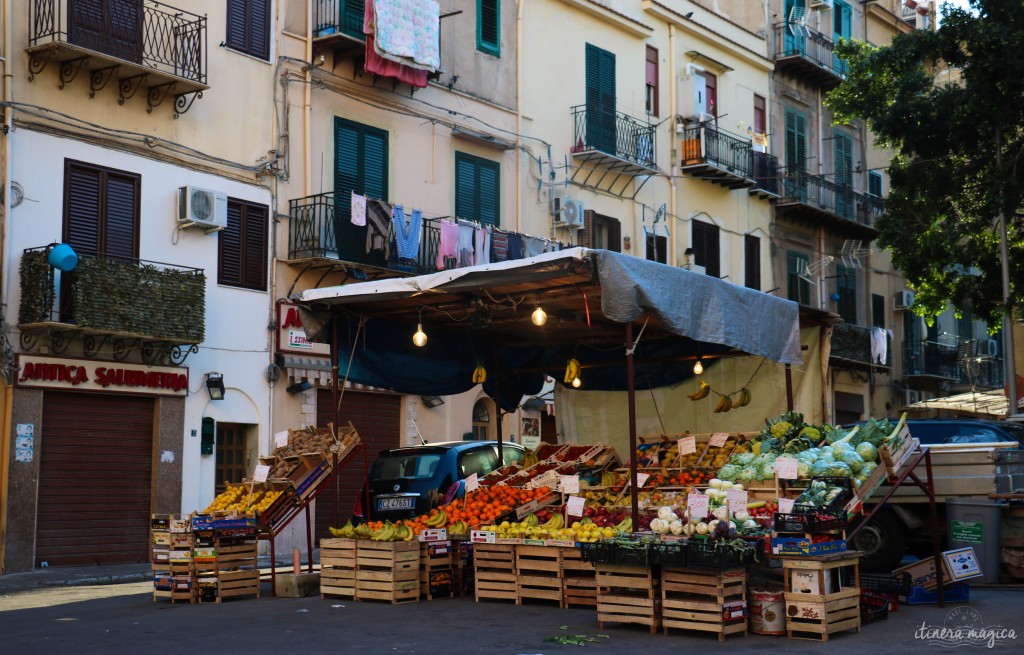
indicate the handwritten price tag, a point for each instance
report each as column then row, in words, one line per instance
column 736, row 499
column 569, row 484
column 697, row 503
column 786, row 505
column 687, row 445
column 786, row 468
column 261, row 473
column 281, row 439
column 574, row 506
column 641, row 479
column 472, row 483
column 718, row 439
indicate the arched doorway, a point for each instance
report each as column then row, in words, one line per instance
column 481, row 420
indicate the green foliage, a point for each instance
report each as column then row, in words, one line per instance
column 36, row 288
column 946, row 186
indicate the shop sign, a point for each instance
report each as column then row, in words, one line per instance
column 291, row 336
column 92, row 375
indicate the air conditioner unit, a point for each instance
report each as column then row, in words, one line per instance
column 692, row 97
column 903, row 300
column 203, row 208
column 820, row 4
column 988, row 348
column 570, row 214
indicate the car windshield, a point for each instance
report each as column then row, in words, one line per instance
column 1014, row 430
column 406, row 465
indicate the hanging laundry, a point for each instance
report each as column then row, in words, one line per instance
column 483, row 246
column 499, row 245
column 358, row 209
column 449, row 246
column 467, row 242
column 534, row 246
column 378, row 65
column 407, row 234
column 408, row 32
column 879, row 345
column 515, row 246
column 378, row 218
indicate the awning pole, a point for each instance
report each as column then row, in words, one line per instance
column 789, row 388
column 631, row 386
column 497, row 410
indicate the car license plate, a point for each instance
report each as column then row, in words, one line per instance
column 404, row 502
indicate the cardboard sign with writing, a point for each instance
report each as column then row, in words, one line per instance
column 786, row 467
column 261, row 473
column 718, row 439
column 472, row 483
column 697, row 503
column 736, row 499
column 569, row 484
column 641, row 479
column 786, row 505
column 574, row 505
column 687, row 445
column 281, row 439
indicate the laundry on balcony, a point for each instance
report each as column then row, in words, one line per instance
column 448, row 250
column 382, row 65
column 499, row 245
column 408, row 32
column 880, row 345
column 407, row 233
column 378, row 218
column 358, row 210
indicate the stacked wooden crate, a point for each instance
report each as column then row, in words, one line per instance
column 171, row 542
column 539, row 573
column 822, row 595
column 436, row 569
column 388, row 570
column 494, row 571
column 704, row 600
column 226, row 567
column 462, row 567
column 628, row 593
column 338, row 567
column 579, row 582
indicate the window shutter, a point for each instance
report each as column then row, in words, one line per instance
column 259, row 28
column 798, row 290
column 477, row 189
column 231, row 247
column 120, row 225
column 875, row 184
column 796, row 142
column 82, row 209
column 488, row 35
column 760, row 115
column 346, row 169
column 847, row 287
column 375, row 163
column 586, row 235
column 351, row 19
column 487, row 189
column 465, row 188
column 843, row 159
column 237, row 25
column 657, row 248
column 255, row 247
column 877, row 310
column 752, row 262
column 706, row 248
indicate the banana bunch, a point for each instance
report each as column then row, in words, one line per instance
column 529, row 459
column 531, row 520
column 556, row 522
column 363, row 531
column 479, row 375
column 744, row 399
column 702, row 392
column 572, row 370
column 347, row 532
column 724, row 404
column 625, row 525
column 459, row 527
column 438, row 520
column 392, row 532
column 608, row 479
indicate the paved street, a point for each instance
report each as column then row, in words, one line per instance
column 123, row 619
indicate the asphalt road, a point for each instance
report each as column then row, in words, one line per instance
column 123, row 619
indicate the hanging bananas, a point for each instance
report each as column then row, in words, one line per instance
column 572, row 370
column 701, row 392
column 479, row 375
column 724, row 404
column 744, row 398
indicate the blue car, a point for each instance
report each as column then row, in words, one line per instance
column 407, row 482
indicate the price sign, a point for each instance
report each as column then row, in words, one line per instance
column 472, row 483
column 574, row 505
column 569, row 484
column 261, row 473
column 697, row 503
column 786, row 468
column 718, row 439
column 281, row 439
column 786, row 505
column 736, row 499
column 687, row 445
column 641, row 479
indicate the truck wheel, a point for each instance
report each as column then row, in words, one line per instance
column 883, row 542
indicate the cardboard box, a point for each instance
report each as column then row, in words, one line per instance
column 922, row 573
column 433, row 534
column 734, row 611
column 483, row 537
column 161, row 538
column 955, row 593
column 804, row 547
column 807, row 582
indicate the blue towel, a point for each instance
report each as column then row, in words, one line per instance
column 407, row 235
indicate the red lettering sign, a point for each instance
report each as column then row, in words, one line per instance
column 291, row 318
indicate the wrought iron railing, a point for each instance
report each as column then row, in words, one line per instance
column 795, row 40
column 128, row 296
column 706, row 144
column 853, row 343
column 334, row 16
column 316, row 230
column 957, row 363
column 613, row 133
column 766, row 172
column 837, row 199
column 151, row 34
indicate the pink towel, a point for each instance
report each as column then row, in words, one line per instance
column 358, row 209
column 449, row 246
column 374, row 63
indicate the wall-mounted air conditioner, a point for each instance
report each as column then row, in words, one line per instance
column 202, row 208
column 988, row 348
column 567, row 212
column 820, row 4
column 903, row 300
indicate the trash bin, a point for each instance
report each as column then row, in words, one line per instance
column 975, row 522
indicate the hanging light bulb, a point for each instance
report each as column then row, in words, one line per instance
column 420, row 337
column 539, row 317
column 576, row 382
column 698, row 368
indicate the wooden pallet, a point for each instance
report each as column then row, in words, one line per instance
column 174, row 596
column 627, row 594
column 696, row 599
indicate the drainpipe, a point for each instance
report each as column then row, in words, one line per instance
column 8, row 399
column 673, row 153
column 306, row 97
column 519, row 112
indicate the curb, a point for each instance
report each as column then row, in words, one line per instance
column 102, row 580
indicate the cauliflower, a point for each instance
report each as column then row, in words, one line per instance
column 780, row 429
column 812, row 433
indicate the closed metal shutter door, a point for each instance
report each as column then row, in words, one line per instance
column 95, row 479
column 377, row 418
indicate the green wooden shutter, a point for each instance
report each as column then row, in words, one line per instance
column 489, row 174
column 360, row 166
column 798, row 290
column 352, row 18
column 842, row 20
column 477, row 189
column 846, row 279
column 796, row 142
column 466, row 198
column 875, row 184
column 843, row 159
column 488, row 27
column 600, row 99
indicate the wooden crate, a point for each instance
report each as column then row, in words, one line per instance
column 628, row 594
column 579, row 579
column 538, row 573
column 337, row 582
column 235, row 570
column 392, row 586
column 698, row 599
column 823, row 611
column 494, row 572
column 388, row 555
column 175, row 595
column 338, row 553
column 436, row 574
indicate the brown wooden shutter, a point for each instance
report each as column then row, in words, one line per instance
column 81, row 208
column 586, row 235
column 259, row 28
column 255, row 247
column 101, row 210
column 706, row 247
column 652, row 79
column 236, row 24
column 122, row 195
column 230, row 269
column 243, row 246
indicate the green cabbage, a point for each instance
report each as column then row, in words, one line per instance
column 853, row 460
column 750, row 473
column 839, row 470
column 839, row 448
column 867, row 451
column 729, row 472
column 803, row 469
column 742, row 459
column 819, row 468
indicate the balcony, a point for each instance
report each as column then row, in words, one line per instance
column 804, row 53
column 851, row 348
column 816, row 199
column 766, row 175
column 112, row 306
column 338, row 24
column 610, row 143
column 320, row 238
column 140, row 45
column 719, row 157
column 933, row 366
